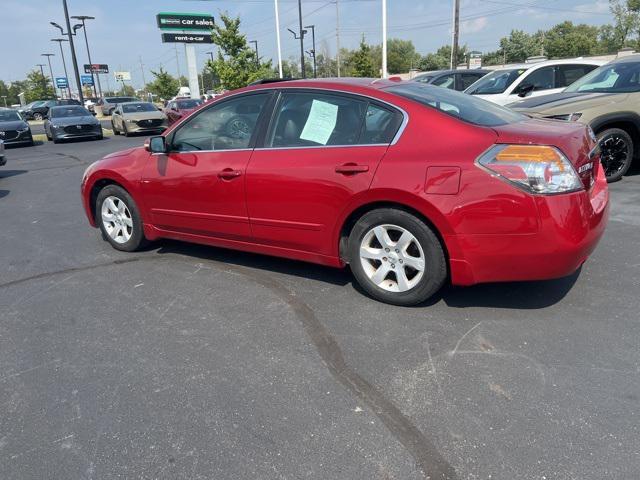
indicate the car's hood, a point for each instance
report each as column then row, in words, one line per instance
column 83, row 120
column 144, row 115
column 13, row 125
column 566, row 102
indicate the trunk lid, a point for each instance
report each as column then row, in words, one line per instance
column 575, row 140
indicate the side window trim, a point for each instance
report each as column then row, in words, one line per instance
column 275, row 104
column 254, row 136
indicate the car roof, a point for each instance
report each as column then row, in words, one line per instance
column 455, row 70
column 568, row 61
column 634, row 57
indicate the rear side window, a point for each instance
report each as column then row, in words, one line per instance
column 380, row 125
column 446, row 81
column 459, row 105
column 541, row 79
column 468, row 79
column 567, row 74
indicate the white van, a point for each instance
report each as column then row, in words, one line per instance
column 511, row 83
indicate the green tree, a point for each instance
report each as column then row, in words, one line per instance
column 164, row 84
column 441, row 59
column 38, row 87
column 361, row 61
column 236, row 65
column 401, row 56
column 627, row 20
column 568, row 40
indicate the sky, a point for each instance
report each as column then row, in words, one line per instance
column 125, row 36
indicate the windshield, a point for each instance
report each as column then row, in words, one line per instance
column 138, row 107
column 612, row 78
column 120, row 99
column 63, row 112
column 496, row 82
column 457, row 104
column 186, row 104
column 9, row 116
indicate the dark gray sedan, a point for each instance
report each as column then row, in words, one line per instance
column 14, row 130
column 69, row 122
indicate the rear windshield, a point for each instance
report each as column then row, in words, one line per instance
column 138, row 107
column 459, row 105
column 496, row 82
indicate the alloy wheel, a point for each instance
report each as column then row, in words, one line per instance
column 392, row 258
column 614, row 153
column 117, row 219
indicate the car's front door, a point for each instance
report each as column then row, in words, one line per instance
column 320, row 150
column 199, row 186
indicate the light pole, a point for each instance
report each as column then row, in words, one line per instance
column 53, row 82
column 302, row 32
column 64, row 63
column 255, row 42
column 384, row 39
column 278, row 38
column 44, row 79
column 70, row 35
column 301, row 38
column 312, row 53
column 83, row 19
column 211, row 55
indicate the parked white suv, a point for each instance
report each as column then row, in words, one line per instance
column 508, row 84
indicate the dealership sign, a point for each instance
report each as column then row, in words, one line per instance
column 186, row 38
column 62, row 82
column 122, row 76
column 96, row 68
column 86, row 80
column 185, row 21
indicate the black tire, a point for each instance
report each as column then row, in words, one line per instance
column 38, row 116
column 435, row 271
column 115, row 130
column 616, row 147
column 137, row 239
column 124, row 130
column 55, row 139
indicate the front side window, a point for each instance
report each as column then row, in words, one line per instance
column 227, row 125
column 496, row 82
column 317, row 119
column 541, row 79
column 446, row 81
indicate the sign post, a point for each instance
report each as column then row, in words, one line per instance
column 194, row 28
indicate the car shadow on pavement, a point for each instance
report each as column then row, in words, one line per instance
column 514, row 295
column 11, row 173
column 4, row 193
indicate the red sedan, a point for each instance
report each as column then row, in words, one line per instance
column 177, row 109
column 411, row 185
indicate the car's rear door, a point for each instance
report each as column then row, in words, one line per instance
column 199, row 186
column 321, row 149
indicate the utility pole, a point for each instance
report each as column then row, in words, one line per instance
column 53, row 81
column 384, row 39
column 144, row 81
column 73, row 52
column 175, row 45
column 338, row 36
column 312, row 53
column 64, row 63
column 278, row 39
column 455, row 33
column 301, row 38
column 211, row 55
column 44, row 79
column 302, row 69
column 83, row 19
column 255, row 42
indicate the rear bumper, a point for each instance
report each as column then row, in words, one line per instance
column 570, row 227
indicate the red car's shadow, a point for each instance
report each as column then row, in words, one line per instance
column 514, row 295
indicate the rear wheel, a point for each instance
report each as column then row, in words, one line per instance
column 396, row 258
column 118, row 217
column 616, row 148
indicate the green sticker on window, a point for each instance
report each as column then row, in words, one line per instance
column 320, row 123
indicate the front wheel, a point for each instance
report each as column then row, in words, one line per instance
column 119, row 219
column 115, row 130
column 396, row 257
column 616, row 147
column 37, row 116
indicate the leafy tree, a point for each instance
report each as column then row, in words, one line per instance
column 441, row 60
column 401, row 56
column 38, row 87
column 361, row 61
column 164, row 84
column 568, row 40
column 627, row 20
column 236, row 65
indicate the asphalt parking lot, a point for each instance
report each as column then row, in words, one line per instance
column 191, row 362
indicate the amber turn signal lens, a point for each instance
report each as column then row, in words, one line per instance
column 531, row 154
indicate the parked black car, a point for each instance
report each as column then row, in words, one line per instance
column 3, row 159
column 454, row 79
column 108, row 104
column 40, row 111
column 14, row 130
column 69, row 122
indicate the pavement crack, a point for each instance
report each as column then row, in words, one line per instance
column 427, row 457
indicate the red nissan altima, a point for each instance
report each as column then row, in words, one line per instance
column 411, row 185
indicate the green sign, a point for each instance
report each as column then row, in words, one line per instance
column 185, row 21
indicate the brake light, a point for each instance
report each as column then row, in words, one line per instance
column 539, row 169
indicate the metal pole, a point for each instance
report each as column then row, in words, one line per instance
column 64, row 63
column 53, row 81
column 144, row 81
column 83, row 19
column 44, row 79
column 302, row 69
column 338, row 35
column 278, row 39
column 455, row 31
column 255, row 42
column 73, row 52
column 175, row 45
column 313, row 52
column 384, row 39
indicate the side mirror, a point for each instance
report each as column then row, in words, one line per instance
column 524, row 89
column 156, row 145
column 94, row 113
